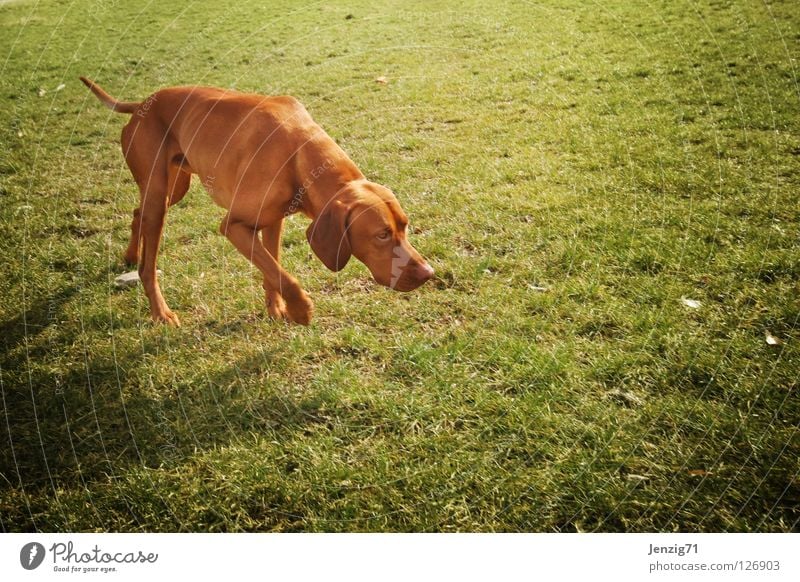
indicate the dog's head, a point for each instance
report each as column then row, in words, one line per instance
column 366, row 220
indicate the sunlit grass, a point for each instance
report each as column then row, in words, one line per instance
column 572, row 170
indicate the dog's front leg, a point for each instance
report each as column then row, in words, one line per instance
column 271, row 240
column 245, row 238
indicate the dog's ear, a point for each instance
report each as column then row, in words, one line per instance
column 328, row 236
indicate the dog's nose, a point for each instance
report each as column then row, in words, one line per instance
column 424, row 272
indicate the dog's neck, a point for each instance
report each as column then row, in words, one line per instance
column 327, row 178
column 319, row 197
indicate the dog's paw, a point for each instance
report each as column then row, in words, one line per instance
column 300, row 307
column 165, row 316
column 276, row 306
column 130, row 258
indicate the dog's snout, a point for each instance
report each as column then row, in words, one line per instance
column 414, row 275
column 425, row 272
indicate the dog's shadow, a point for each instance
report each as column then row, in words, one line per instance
column 76, row 429
column 21, row 329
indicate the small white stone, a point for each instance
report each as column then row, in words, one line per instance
column 130, row 279
column 692, row 303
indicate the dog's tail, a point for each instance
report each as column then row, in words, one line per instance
column 108, row 100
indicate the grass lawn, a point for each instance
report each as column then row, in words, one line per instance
column 578, row 173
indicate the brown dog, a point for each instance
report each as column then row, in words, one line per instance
column 262, row 159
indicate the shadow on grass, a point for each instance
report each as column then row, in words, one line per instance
column 75, row 429
column 30, row 323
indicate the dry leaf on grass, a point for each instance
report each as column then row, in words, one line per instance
column 382, row 80
column 699, row 472
column 771, row 339
column 625, row 398
column 638, row 478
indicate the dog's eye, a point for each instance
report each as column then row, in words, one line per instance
column 385, row 235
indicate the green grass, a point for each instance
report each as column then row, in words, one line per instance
column 623, row 154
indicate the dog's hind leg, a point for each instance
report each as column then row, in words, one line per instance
column 177, row 190
column 148, row 157
column 131, row 256
column 153, row 213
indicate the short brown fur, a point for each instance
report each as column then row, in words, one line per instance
column 262, row 159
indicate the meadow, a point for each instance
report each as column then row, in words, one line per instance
column 608, row 192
